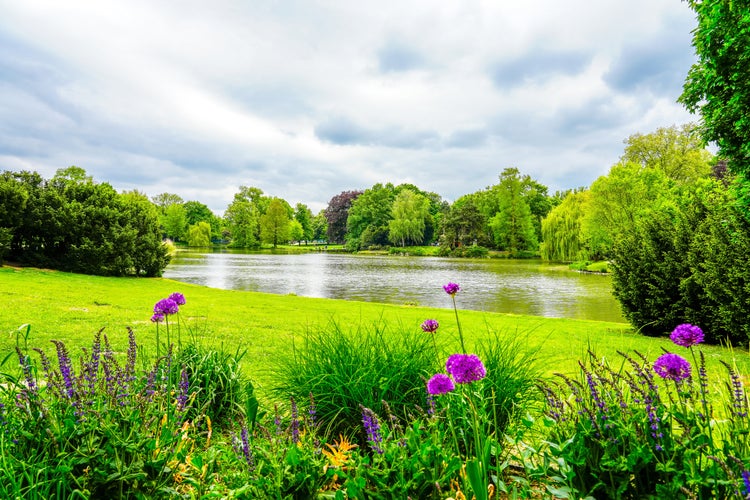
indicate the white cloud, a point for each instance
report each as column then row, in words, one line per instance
column 306, row 99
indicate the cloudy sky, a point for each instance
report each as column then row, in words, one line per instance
column 305, row 99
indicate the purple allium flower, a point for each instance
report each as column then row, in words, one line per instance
column 440, row 383
column 465, row 368
column 430, row 325
column 687, row 335
column 451, row 288
column 157, row 318
column 372, row 427
column 178, row 298
column 166, row 307
column 672, row 366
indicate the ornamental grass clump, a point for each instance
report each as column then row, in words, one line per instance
column 645, row 428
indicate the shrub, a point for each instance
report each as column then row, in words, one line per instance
column 648, row 429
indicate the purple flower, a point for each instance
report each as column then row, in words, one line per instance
column 451, row 288
column 687, row 335
column 178, row 298
column 430, row 325
column 746, row 479
column 440, row 383
column 182, row 399
column 157, row 318
column 295, row 422
column 672, row 366
column 465, row 368
column 166, row 307
column 372, row 427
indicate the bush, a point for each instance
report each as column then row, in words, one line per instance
column 365, row 366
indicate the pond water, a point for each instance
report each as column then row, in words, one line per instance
column 497, row 285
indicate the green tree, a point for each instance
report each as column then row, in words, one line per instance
column 371, row 212
column 196, row 212
column 164, row 200
column 13, row 200
column 149, row 254
column 243, row 222
column 337, row 213
column 513, row 226
column 718, row 84
column 303, row 215
column 296, row 232
column 274, row 224
column 562, row 229
column 464, row 224
column 678, row 152
column 175, row 222
column 408, row 223
column 320, row 226
column 199, row 235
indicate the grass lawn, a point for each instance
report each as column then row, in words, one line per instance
column 71, row 307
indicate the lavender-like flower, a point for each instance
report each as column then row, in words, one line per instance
column 243, row 448
column 295, row 422
column 184, row 389
column 178, row 298
column 430, row 326
column 312, row 411
column 687, row 335
column 672, row 366
column 157, row 318
column 746, row 480
column 372, row 428
column 166, row 307
column 66, row 369
column 451, row 288
column 440, row 383
column 465, row 368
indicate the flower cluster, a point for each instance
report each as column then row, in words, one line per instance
column 430, row 326
column 451, row 289
column 687, row 335
column 672, row 366
column 166, row 307
column 462, row 368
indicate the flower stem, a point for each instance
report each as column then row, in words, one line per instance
column 458, row 323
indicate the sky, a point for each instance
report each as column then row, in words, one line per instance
column 306, row 99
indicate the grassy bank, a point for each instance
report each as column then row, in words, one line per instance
column 71, row 307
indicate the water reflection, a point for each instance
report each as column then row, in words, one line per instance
column 498, row 285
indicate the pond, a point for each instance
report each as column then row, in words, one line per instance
column 496, row 285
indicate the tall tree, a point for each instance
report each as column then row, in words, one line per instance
column 274, row 224
column 199, row 234
column 562, row 230
column 513, row 226
column 676, row 151
column 369, row 216
column 337, row 214
column 303, row 215
column 718, row 84
column 196, row 212
column 243, row 222
column 463, row 224
column 175, row 222
column 320, row 226
column 163, row 200
column 408, row 223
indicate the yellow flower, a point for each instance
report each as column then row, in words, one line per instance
column 338, row 454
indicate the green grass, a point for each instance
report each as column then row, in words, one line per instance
column 71, row 307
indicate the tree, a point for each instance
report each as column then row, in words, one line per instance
column 296, row 232
column 13, row 200
column 304, row 216
column 463, row 224
column 274, row 224
column 243, row 222
column 175, row 222
column 320, row 226
column 512, row 226
column 562, row 230
column 199, row 235
column 196, row 212
column 149, row 254
column 163, row 200
column 718, row 84
column 678, row 152
column 369, row 215
column 408, row 223
column 337, row 214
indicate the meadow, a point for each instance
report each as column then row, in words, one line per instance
column 550, row 408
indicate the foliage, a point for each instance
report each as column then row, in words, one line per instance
column 512, row 226
column 366, row 366
column 243, row 217
column 409, row 213
column 199, row 235
column 304, row 217
column 196, row 212
column 677, row 152
column 337, row 214
column 369, row 216
column 274, row 224
column 101, row 430
column 72, row 223
column 687, row 262
column 175, row 222
column 620, row 431
column 562, row 230
column 718, row 84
